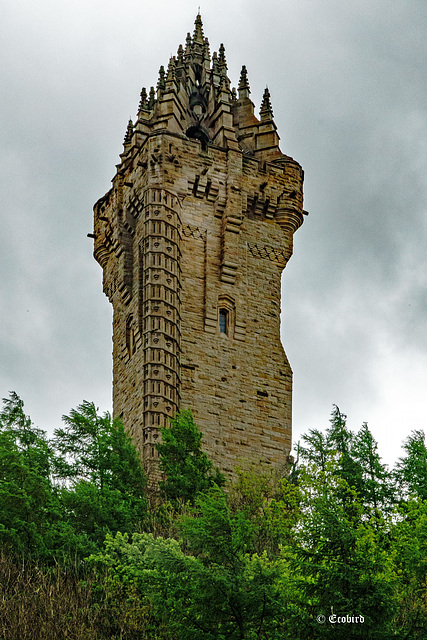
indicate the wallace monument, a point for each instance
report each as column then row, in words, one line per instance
column 192, row 239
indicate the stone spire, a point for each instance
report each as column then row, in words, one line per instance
column 170, row 78
column 221, row 59
column 180, row 55
column 266, row 111
column 152, row 98
column 222, row 63
column 128, row 136
column 143, row 100
column 161, row 81
column 215, row 63
column 243, row 87
column 206, row 54
column 198, row 31
column 188, row 44
column 193, row 97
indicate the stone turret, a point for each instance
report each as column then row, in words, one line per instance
column 192, row 239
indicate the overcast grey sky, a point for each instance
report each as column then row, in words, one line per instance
column 349, row 94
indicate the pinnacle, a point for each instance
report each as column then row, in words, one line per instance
column 206, row 52
column 171, row 70
column 243, row 83
column 180, row 54
column 198, row 30
column 129, row 133
column 266, row 111
column 143, row 99
column 152, row 98
column 221, row 59
column 161, row 80
column 215, row 63
column 188, row 44
column 244, row 89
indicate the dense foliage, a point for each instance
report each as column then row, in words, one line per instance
column 59, row 498
column 187, row 469
column 337, row 548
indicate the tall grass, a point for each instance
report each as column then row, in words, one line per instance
column 65, row 603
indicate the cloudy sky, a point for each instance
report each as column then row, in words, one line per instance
column 349, row 93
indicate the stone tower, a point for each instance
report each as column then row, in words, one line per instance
column 192, row 238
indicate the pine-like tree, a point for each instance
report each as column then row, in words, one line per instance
column 100, row 470
column 188, row 470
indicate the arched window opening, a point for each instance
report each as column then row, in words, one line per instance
column 223, row 321
column 226, row 316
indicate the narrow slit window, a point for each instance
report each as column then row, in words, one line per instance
column 223, row 318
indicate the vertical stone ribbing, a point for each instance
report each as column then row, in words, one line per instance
column 160, row 315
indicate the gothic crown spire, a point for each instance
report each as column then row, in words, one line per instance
column 193, row 96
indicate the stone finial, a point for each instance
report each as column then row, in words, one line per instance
column 215, row 63
column 171, row 70
column 222, row 64
column 244, row 89
column 128, row 135
column 161, row 81
column 221, row 59
column 143, row 100
column 266, row 111
column 206, row 51
column 198, row 30
column 152, row 98
column 188, row 45
column 180, row 55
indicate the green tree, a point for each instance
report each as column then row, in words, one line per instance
column 374, row 483
column 341, row 439
column 336, row 441
column 411, row 469
column 209, row 585
column 409, row 537
column 270, row 504
column 408, row 550
column 357, row 461
column 188, row 470
column 100, row 470
column 25, row 488
column 31, row 518
column 318, row 448
column 340, row 561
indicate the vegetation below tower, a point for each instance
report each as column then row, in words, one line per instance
column 337, row 548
